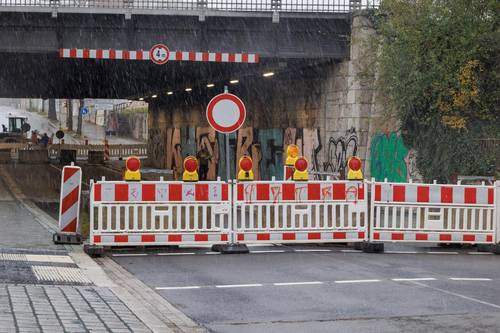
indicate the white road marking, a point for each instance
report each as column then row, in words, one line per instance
column 459, row 295
column 351, row 251
column 470, row 279
column 268, row 251
column 210, row 252
column 239, row 285
column 480, row 252
column 401, row 252
column 356, row 281
column 441, row 252
column 414, row 279
column 129, row 254
column 296, row 283
column 176, row 254
column 313, row 250
column 177, row 288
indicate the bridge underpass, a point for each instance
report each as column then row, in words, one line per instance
column 31, row 65
column 314, row 99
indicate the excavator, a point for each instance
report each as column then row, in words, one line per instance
column 15, row 131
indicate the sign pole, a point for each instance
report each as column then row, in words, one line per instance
column 226, row 113
column 228, row 165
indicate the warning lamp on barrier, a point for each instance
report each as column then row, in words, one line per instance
column 190, row 173
column 245, row 164
column 354, row 169
column 292, row 153
column 132, row 169
column 301, row 173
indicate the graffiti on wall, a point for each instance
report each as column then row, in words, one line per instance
column 156, row 147
column 390, row 157
column 339, row 151
column 266, row 147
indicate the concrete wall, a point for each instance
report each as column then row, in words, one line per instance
column 329, row 109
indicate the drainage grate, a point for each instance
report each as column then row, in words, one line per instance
column 59, row 274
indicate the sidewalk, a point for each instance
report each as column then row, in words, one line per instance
column 94, row 133
column 55, row 288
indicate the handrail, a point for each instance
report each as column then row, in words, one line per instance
column 294, row 6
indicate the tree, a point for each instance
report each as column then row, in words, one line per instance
column 439, row 73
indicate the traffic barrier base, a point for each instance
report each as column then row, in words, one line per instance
column 484, row 248
column 93, row 250
column 370, row 247
column 67, row 238
column 233, row 248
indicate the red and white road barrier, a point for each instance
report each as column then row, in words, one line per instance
column 210, row 213
column 159, row 213
column 407, row 212
column 287, row 212
column 74, row 53
column 69, row 207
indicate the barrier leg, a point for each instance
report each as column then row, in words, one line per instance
column 232, row 247
column 90, row 248
column 496, row 218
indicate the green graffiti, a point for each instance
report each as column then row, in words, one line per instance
column 387, row 155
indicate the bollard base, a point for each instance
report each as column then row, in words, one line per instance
column 93, row 250
column 484, row 247
column 369, row 247
column 67, row 238
column 234, row 248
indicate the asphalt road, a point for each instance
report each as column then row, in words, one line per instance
column 321, row 289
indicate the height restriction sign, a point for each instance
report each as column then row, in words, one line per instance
column 159, row 54
column 226, row 113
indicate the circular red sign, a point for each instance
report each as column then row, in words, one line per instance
column 159, row 54
column 226, row 113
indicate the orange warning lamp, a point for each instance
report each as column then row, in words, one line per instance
column 190, row 173
column 354, row 169
column 301, row 173
column 132, row 169
column 292, row 153
column 245, row 173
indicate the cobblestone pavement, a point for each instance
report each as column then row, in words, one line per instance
column 35, row 308
column 41, row 287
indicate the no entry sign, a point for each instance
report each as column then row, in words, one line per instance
column 159, row 54
column 226, row 113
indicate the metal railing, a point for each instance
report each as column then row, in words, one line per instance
column 296, row 6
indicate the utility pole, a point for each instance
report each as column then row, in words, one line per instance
column 69, row 115
column 52, row 109
column 79, row 124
